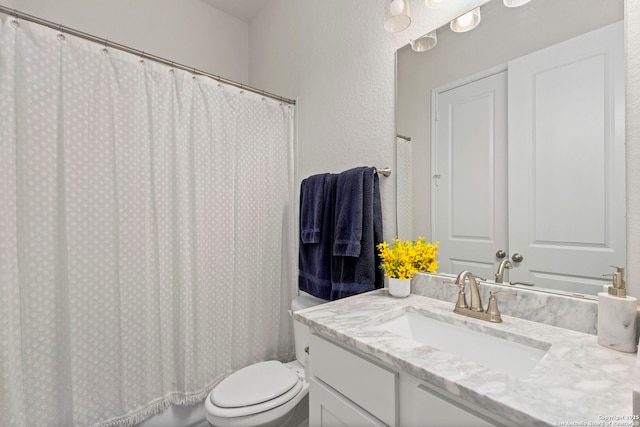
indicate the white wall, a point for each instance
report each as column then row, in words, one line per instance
column 336, row 59
column 632, row 51
column 188, row 32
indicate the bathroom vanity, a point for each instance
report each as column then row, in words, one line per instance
column 376, row 360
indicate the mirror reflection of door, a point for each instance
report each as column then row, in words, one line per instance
column 564, row 213
column 566, row 162
column 470, row 178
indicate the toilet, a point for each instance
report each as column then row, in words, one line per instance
column 265, row 393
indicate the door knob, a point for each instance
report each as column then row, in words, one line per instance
column 517, row 258
column 501, row 254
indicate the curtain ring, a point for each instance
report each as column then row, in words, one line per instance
column 61, row 36
column 104, row 49
column 15, row 21
column 194, row 74
column 141, row 62
column 171, row 69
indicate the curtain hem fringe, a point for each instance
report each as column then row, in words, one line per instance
column 174, row 398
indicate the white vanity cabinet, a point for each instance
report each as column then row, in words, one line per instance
column 423, row 405
column 347, row 388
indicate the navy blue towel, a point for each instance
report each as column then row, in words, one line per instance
column 358, row 231
column 311, row 200
column 314, row 259
column 349, row 211
column 344, row 259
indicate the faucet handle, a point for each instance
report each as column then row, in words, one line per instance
column 507, row 293
column 492, row 308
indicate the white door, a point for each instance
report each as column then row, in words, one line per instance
column 566, row 162
column 470, row 178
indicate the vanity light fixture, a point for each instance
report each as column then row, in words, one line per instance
column 435, row 4
column 515, row 3
column 424, row 43
column 397, row 16
column 466, row 22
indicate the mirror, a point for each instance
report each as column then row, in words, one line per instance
column 504, row 34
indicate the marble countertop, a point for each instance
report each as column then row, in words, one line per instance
column 577, row 381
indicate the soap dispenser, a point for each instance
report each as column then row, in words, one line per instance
column 617, row 314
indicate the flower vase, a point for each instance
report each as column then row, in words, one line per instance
column 399, row 288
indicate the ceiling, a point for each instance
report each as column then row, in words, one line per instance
column 244, row 10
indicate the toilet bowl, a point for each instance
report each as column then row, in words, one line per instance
column 265, row 393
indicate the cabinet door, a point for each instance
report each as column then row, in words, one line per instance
column 423, row 405
column 566, row 162
column 470, row 181
column 330, row 409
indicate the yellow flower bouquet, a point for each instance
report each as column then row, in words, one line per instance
column 403, row 258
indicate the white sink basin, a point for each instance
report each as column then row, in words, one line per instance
column 512, row 358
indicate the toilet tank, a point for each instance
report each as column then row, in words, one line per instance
column 300, row 330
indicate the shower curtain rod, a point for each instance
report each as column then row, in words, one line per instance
column 20, row 15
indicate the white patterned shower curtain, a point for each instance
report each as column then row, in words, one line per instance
column 146, row 232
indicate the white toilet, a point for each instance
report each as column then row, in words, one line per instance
column 265, row 393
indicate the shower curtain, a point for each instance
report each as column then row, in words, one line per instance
column 146, row 241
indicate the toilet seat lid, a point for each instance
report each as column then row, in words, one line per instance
column 254, row 384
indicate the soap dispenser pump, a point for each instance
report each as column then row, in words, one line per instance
column 617, row 289
column 617, row 314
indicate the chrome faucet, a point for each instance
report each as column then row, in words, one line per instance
column 504, row 264
column 476, row 304
column 476, row 311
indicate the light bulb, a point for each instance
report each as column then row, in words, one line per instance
column 433, row 4
column 515, row 3
column 396, row 7
column 465, row 20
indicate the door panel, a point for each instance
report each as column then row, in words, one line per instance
column 470, row 187
column 566, row 162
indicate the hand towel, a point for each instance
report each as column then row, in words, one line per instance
column 311, row 200
column 349, row 211
column 358, row 228
column 314, row 259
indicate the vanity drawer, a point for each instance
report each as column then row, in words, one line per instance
column 371, row 386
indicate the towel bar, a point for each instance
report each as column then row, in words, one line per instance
column 384, row 171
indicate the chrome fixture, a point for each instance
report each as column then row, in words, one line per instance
column 504, row 264
column 476, row 311
column 466, row 22
column 476, row 304
column 397, row 16
column 492, row 307
column 424, row 43
column 517, row 258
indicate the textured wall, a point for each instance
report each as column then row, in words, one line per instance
column 188, row 32
column 336, row 59
column 632, row 35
